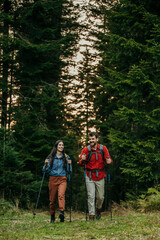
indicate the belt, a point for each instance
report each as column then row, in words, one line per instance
column 94, row 171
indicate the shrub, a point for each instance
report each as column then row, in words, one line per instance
column 150, row 201
column 6, row 208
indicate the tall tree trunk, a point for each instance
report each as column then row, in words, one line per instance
column 5, row 75
column 5, row 72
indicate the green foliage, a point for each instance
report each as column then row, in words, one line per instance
column 44, row 34
column 38, row 39
column 8, row 209
column 14, row 179
column 127, row 102
column 149, row 201
column 5, row 207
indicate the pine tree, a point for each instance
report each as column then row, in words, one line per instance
column 45, row 34
column 81, row 103
column 128, row 99
column 46, row 37
column 7, row 68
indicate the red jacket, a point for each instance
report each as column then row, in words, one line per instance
column 95, row 164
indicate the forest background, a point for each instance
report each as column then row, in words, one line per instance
column 68, row 67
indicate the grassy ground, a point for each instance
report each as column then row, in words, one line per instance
column 124, row 225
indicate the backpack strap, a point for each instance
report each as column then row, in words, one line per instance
column 90, row 153
column 65, row 156
column 89, row 157
column 102, row 153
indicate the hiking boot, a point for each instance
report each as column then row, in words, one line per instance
column 61, row 216
column 98, row 214
column 91, row 217
column 52, row 218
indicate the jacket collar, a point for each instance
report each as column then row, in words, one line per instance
column 98, row 147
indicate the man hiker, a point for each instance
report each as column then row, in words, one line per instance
column 94, row 158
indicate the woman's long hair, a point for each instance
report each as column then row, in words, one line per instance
column 53, row 153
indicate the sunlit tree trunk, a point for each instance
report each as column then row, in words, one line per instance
column 5, row 63
column 5, row 75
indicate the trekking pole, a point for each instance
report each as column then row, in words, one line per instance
column 86, row 202
column 70, row 200
column 70, row 193
column 34, row 213
column 110, row 200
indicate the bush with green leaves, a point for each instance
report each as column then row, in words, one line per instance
column 6, row 207
column 149, row 201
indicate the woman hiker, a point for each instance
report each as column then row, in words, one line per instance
column 58, row 166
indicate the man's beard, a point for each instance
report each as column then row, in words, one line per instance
column 93, row 144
